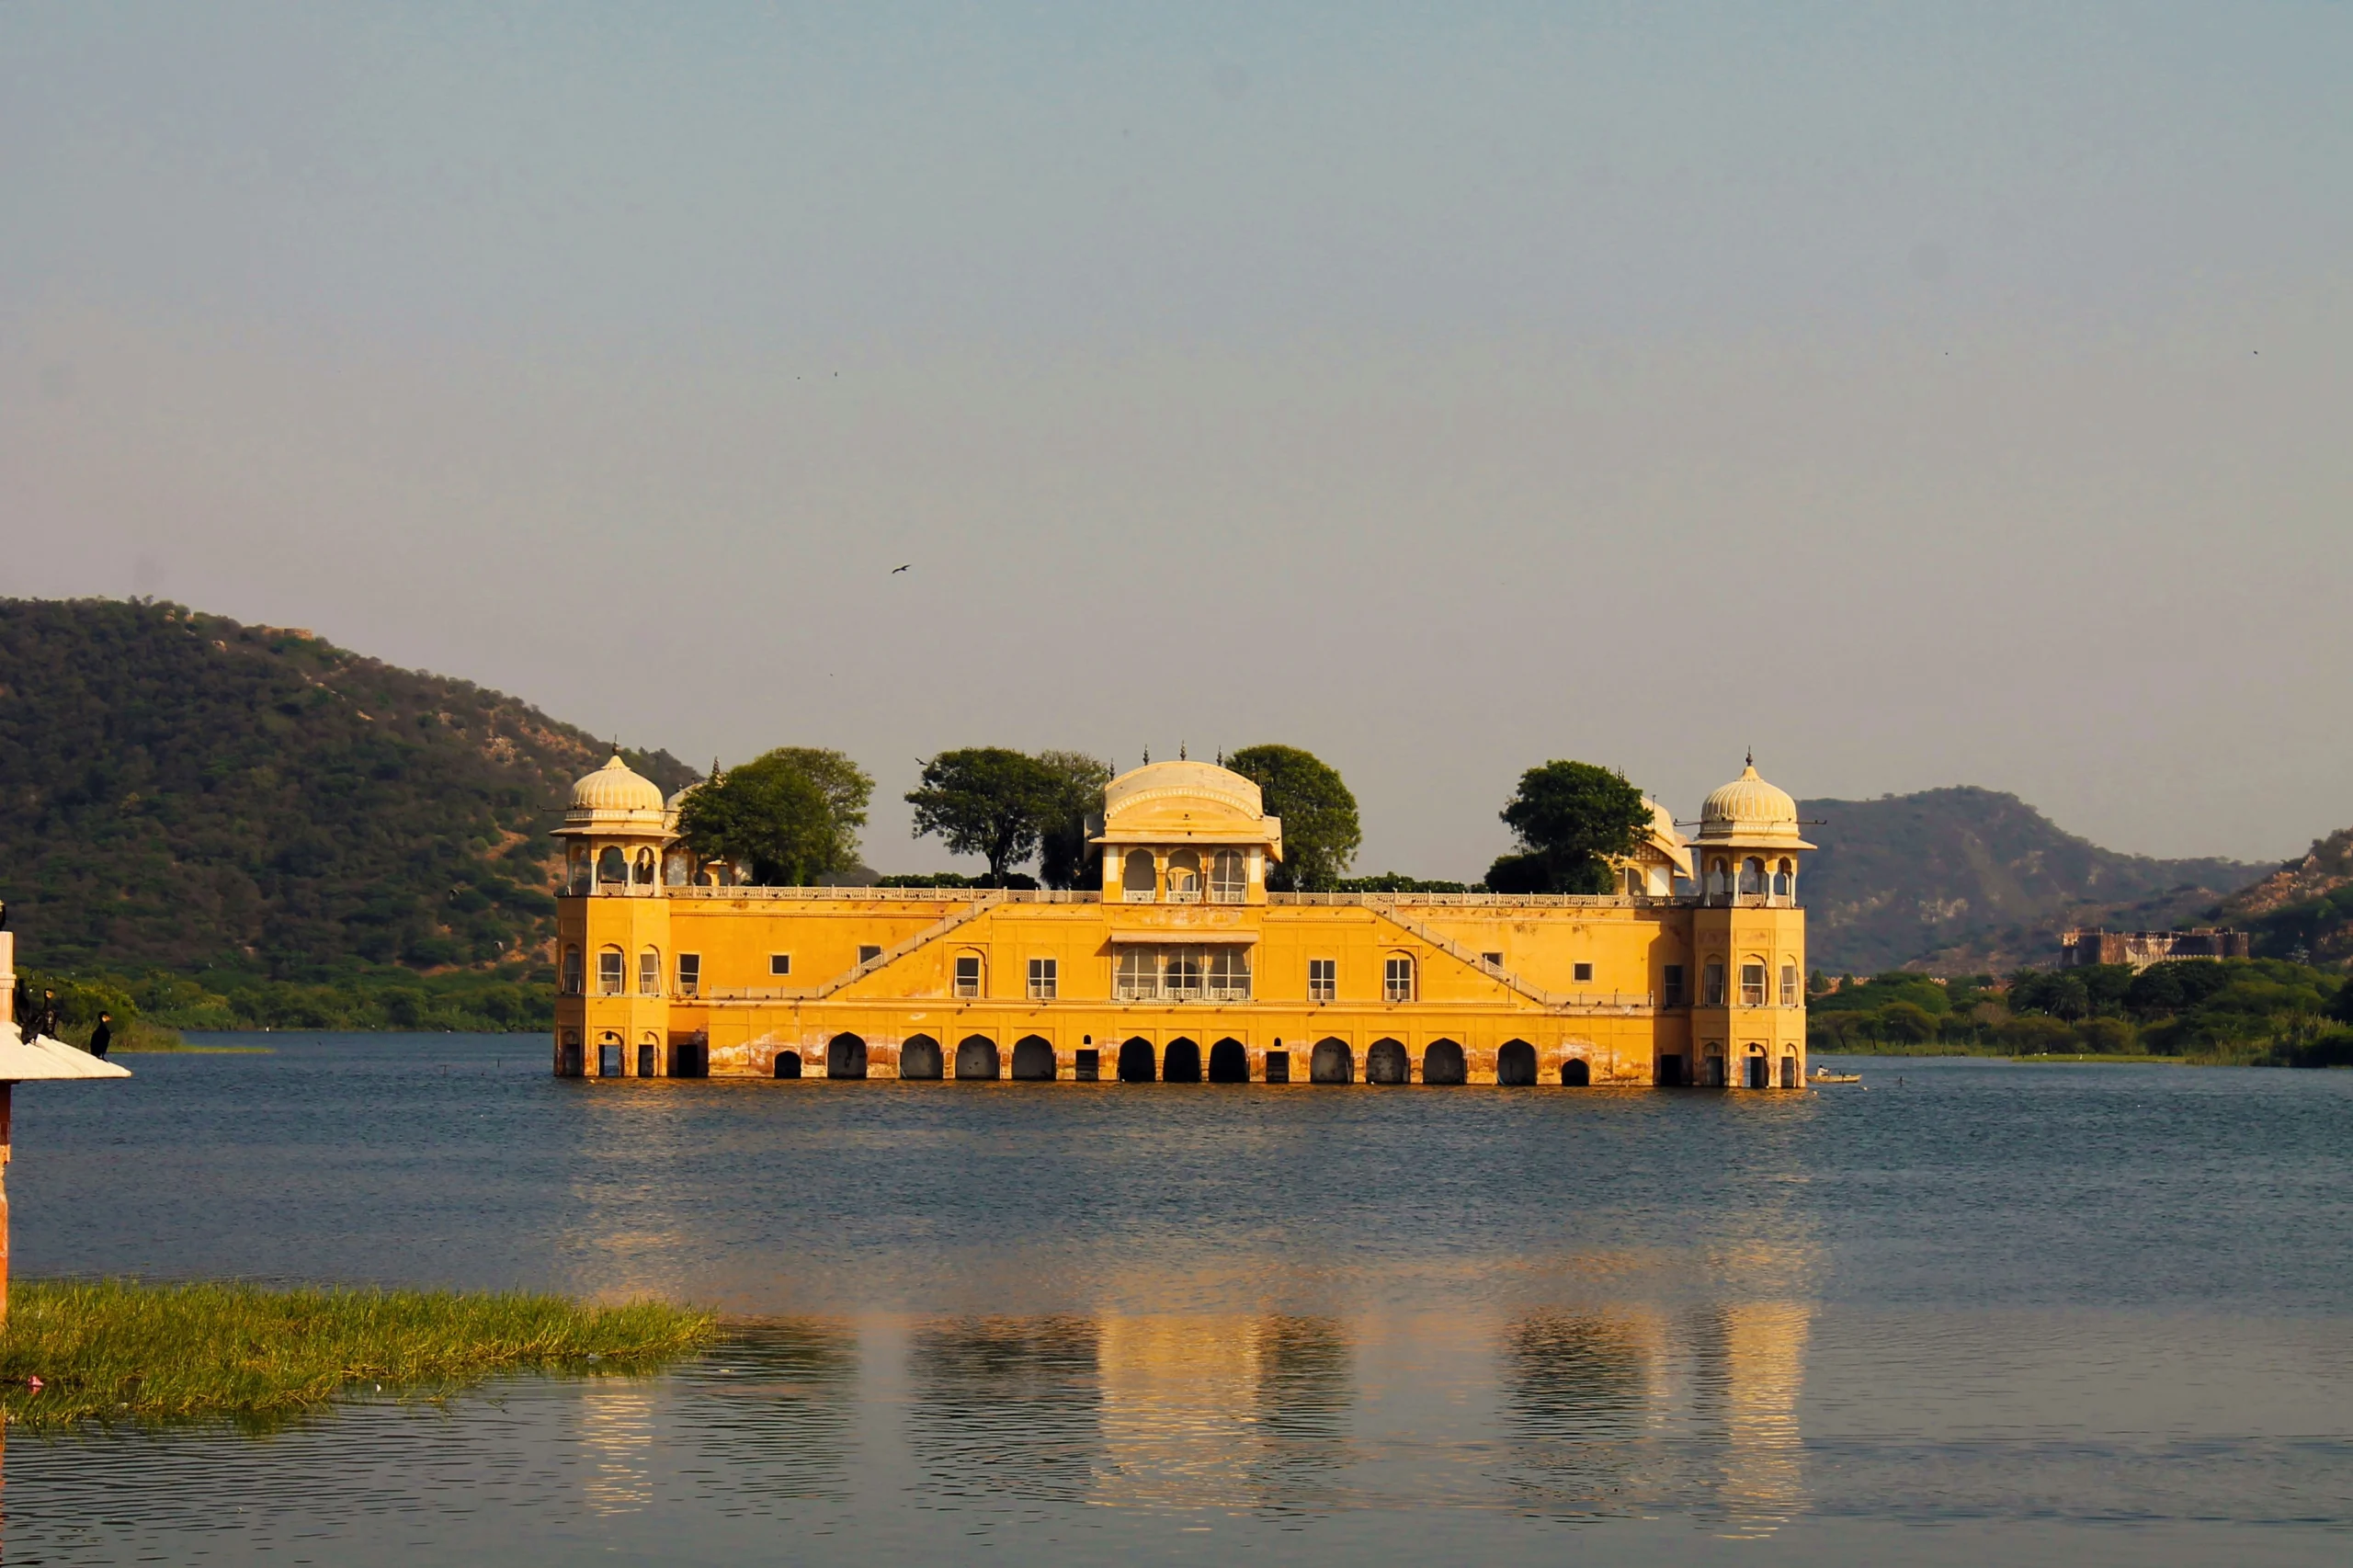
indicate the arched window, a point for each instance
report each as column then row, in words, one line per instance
column 1719, row 876
column 1633, row 881
column 675, row 869
column 1184, row 877
column 1181, row 974
column 1228, row 879
column 1784, row 879
column 1752, row 982
column 1711, row 983
column 1789, row 985
column 644, row 873
column 649, row 973
column 1397, row 978
column 1752, row 875
column 571, row 971
column 576, row 867
column 609, row 982
column 1229, row 974
column 612, row 865
column 1137, row 880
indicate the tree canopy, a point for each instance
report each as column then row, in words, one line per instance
column 1320, row 834
column 1570, row 818
column 792, row 815
column 1065, row 858
column 990, row 802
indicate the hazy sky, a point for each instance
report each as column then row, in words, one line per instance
column 1923, row 396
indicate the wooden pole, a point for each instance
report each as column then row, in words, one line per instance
column 6, row 1091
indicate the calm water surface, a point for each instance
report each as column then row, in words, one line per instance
column 2062, row 1315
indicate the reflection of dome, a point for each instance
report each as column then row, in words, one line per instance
column 1750, row 807
column 616, row 788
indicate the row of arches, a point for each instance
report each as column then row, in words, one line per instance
column 1330, row 1060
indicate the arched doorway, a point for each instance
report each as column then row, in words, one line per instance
column 1331, row 1062
column 1789, row 1071
column 1515, row 1064
column 1443, row 1063
column 1384, row 1063
column 1180, row 1063
column 920, row 1059
column 976, row 1060
column 1576, row 1073
column 1760, row 1071
column 1229, row 1063
column 1136, row 1064
column 788, row 1064
column 845, row 1057
column 1033, row 1061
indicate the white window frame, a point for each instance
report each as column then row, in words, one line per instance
column 1044, row 978
column 1789, row 985
column 1752, row 991
column 690, row 974
column 1229, row 874
column 969, row 987
column 1323, row 980
column 1138, row 978
column 1397, row 978
column 649, row 971
column 1229, row 974
column 1711, row 983
column 612, row 972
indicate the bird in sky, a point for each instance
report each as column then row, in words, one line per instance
column 896, row 570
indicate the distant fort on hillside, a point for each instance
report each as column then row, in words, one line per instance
column 2141, row 949
column 1182, row 966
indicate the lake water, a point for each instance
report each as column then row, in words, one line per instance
column 1966, row 1311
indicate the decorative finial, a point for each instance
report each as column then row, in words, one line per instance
column 1147, row 757
column 1180, row 751
column 1752, row 756
column 1221, row 756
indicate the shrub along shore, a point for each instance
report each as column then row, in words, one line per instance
column 119, row 1350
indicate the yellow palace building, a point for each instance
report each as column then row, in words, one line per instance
column 1182, row 966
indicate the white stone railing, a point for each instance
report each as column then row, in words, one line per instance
column 896, row 895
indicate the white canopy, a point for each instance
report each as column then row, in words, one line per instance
column 26, row 1060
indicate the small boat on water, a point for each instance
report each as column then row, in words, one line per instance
column 1824, row 1075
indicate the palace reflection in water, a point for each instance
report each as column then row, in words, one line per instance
column 1574, row 1412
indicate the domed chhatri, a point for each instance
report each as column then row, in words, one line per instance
column 615, row 789
column 1173, row 960
column 1748, row 810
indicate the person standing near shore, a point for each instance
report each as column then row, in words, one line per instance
column 102, row 1037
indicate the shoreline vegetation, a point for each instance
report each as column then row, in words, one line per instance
column 119, row 1350
column 2235, row 1012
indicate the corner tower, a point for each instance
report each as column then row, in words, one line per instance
column 613, row 928
column 1748, row 1026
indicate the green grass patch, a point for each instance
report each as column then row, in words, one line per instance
column 119, row 1350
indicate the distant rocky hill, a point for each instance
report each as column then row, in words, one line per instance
column 1966, row 880
column 177, row 790
column 2305, row 903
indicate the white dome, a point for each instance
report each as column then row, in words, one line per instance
column 615, row 787
column 1750, row 807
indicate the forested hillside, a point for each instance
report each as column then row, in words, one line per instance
column 180, row 791
column 1966, row 880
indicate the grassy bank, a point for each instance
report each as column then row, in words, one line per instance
column 114, row 1350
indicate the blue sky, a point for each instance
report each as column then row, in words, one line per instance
column 1922, row 395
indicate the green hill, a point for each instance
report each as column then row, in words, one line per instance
column 1969, row 880
column 179, row 791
